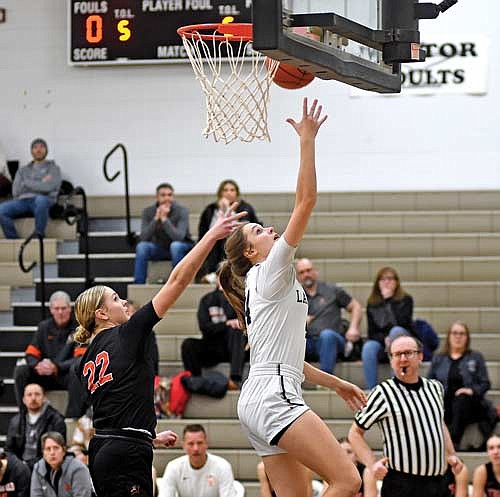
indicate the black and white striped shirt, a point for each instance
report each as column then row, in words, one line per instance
column 411, row 419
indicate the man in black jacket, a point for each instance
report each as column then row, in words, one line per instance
column 222, row 339
column 35, row 418
column 51, row 356
column 15, row 477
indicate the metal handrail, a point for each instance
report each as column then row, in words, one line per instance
column 25, row 269
column 131, row 236
column 74, row 214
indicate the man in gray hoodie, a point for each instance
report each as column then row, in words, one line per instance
column 35, row 190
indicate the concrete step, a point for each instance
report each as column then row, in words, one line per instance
column 8, row 361
column 11, row 274
column 4, row 297
column 400, row 245
column 416, row 269
column 386, row 222
column 479, row 319
column 421, row 221
column 425, row 293
column 487, row 343
column 15, row 338
column 114, row 206
column 244, row 461
column 9, row 250
column 101, row 265
column 55, row 229
column 107, row 242
column 74, row 286
column 351, row 371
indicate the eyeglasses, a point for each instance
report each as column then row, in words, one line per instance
column 409, row 354
column 387, row 278
column 458, row 333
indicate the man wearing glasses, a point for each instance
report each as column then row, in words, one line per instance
column 409, row 411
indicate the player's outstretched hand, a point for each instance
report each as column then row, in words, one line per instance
column 165, row 439
column 354, row 397
column 311, row 120
column 226, row 222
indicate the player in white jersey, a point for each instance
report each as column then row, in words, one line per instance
column 259, row 280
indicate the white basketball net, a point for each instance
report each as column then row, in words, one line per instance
column 236, row 88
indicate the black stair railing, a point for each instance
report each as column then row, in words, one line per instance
column 41, row 261
column 73, row 214
column 131, row 236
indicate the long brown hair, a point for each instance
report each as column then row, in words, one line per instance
column 375, row 297
column 446, row 350
column 223, row 184
column 85, row 306
column 233, row 271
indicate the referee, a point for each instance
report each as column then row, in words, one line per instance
column 409, row 411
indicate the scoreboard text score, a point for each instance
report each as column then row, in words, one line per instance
column 141, row 31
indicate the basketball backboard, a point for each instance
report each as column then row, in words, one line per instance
column 358, row 42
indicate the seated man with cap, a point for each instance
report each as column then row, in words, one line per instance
column 34, row 191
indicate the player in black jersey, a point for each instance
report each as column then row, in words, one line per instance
column 118, row 372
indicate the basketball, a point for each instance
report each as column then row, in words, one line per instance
column 291, row 77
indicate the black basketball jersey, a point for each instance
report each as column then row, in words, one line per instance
column 118, row 372
column 492, row 486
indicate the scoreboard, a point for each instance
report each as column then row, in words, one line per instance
column 141, row 31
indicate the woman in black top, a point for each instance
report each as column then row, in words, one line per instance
column 228, row 192
column 389, row 312
column 118, row 372
column 463, row 373
column 486, row 480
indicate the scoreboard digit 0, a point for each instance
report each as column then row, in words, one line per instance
column 141, row 31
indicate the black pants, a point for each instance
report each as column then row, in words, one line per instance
column 77, row 397
column 121, row 467
column 461, row 411
column 227, row 346
column 397, row 484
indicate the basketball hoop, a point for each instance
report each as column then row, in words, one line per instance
column 234, row 78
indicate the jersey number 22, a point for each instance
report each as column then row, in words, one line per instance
column 90, row 367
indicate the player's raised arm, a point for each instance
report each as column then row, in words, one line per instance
column 185, row 271
column 306, row 191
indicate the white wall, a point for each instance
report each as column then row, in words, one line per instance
column 369, row 143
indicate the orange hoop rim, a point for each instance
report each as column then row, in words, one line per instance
column 233, row 31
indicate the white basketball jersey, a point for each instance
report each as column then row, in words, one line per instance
column 276, row 309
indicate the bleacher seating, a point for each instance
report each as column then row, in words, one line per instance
column 445, row 246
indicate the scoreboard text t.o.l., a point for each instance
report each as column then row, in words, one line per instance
column 141, row 31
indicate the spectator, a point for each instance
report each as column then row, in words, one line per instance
column 408, row 409
column 222, row 339
column 52, row 356
column 14, row 476
column 326, row 338
column 35, row 418
column 59, row 474
column 164, row 232
column 463, row 373
column 227, row 193
column 198, row 473
column 35, row 190
column 486, row 479
column 389, row 312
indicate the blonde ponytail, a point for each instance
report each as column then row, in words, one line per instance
column 85, row 306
